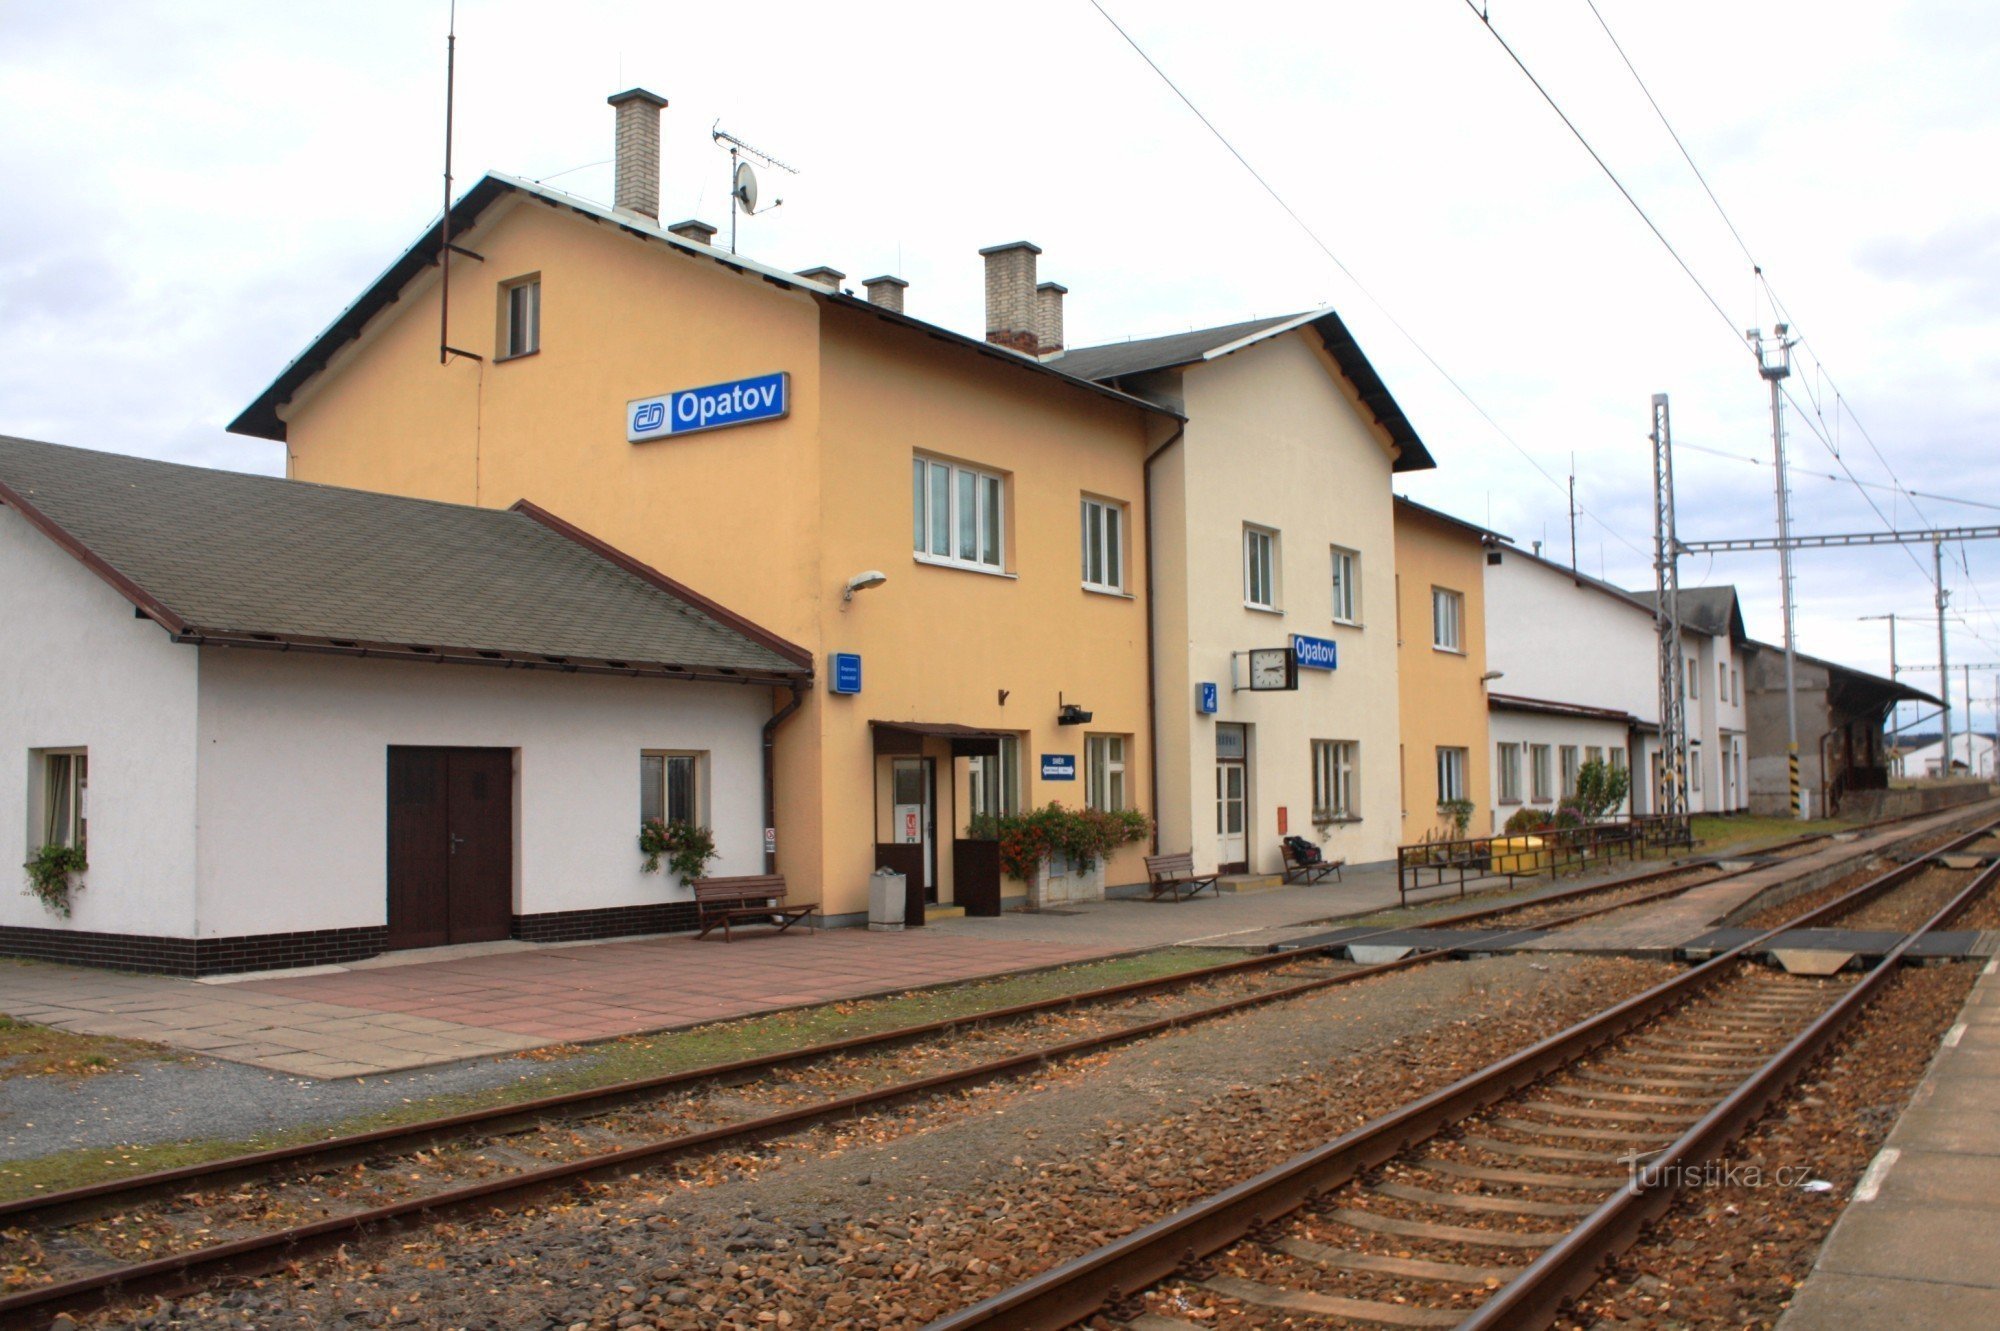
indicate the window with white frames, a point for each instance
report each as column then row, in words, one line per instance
column 1694, row 769
column 520, row 316
column 63, row 787
column 1335, row 792
column 670, row 788
column 1735, row 685
column 1541, row 775
column 1618, row 760
column 1570, row 768
column 1104, row 763
column 1260, row 568
column 994, row 780
column 1346, row 586
column 957, row 515
column 1508, row 759
column 1447, row 620
column 1694, row 680
column 1103, row 545
column 1451, row 775
column 1722, row 681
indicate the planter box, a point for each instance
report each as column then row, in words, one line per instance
column 1057, row 882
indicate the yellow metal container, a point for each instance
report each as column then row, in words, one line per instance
column 1519, row 854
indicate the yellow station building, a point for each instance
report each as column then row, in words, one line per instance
column 905, row 501
column 1441, row 646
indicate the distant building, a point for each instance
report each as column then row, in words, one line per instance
column 1841, row 716
column 1971, row 755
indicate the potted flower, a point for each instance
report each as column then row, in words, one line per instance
column 685, row 848
column 1059, row 853
column 50, row 873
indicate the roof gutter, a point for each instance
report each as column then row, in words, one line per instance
column 1152, row 643
column 778, row 718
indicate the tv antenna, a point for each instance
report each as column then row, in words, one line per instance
column 743, row 180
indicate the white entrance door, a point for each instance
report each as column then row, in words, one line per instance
column 1231, row 844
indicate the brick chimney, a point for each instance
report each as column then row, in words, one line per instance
column 886, row 292
column 1010, row 296
column 694, row 229
column 637, row 153
column 825, row 276
column 1048, row 316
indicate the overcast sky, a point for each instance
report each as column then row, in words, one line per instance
column 195, row 189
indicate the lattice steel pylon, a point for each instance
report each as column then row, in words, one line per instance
column 1671, row 788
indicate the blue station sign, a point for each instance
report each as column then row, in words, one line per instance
column 1058, row 767
column 768, row 397
column 1315, row 653
column 846, row 673
column 1207, row 699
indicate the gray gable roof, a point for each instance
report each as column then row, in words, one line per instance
column 1117, row 360
column 1710, row 610
column 218, row 556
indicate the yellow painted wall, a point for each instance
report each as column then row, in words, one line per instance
column 771, row 518
column 1443, row 703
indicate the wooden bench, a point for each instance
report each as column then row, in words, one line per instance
column 1309, row 871
column 1175, row 874
column 725, row 901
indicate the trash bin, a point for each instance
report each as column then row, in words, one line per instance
column 886, row 897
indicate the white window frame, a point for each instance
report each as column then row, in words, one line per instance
column 1104, row 763
column 61, row 816
column 1346, row 575
column 1735, row 685
column 1572, row 766
column 993, row 780
column 1336, row 780
column 1447, row 620
column 988, row 518
column 1103, row 548
column 1507, row 758
column 692, row 764
column 1541, row 774
column 1260, row 567
column 1694, row 769
column 1617, row 758
column 520, row 302
column 1451, row 765
column 1722, row 680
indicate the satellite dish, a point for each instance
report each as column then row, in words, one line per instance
column 746, row 187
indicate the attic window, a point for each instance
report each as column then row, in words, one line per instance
column 520, row 317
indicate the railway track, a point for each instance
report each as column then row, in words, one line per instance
column 179, row 1229
column 1490, row 1202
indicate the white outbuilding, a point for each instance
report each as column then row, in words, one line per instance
column 290, row 724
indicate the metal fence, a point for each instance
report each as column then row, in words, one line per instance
column 1551, row 851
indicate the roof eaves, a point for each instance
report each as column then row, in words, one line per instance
column 1454, row 520
column 147, row 603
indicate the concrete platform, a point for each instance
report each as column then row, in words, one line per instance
column 1919, row 1244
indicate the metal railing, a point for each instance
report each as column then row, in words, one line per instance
column 1551, row 851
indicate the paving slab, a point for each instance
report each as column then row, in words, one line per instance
column 1919, row 1245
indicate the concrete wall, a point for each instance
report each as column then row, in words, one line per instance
column 1442, row 702
column 1764, row 689
column 82, row 672
column 293, row 778
column 1276, row 439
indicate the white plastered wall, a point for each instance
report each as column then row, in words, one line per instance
column 1273, row 440
column 78, row 670
column 1527, row 728
column 294, row 775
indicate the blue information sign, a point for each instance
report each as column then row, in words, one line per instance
column 1058, row 767
column 1315, row 653
column 846, row 672
column 1207, row 699
column 739, row 402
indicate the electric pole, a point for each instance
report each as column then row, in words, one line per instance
column 1672, row 793
column 1942, row 599
column 1776, row 367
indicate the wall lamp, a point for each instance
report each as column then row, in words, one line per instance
column 1492, row 675
column 861, row 582
column 1070, row 714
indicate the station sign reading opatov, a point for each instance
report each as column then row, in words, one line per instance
column 738, row 402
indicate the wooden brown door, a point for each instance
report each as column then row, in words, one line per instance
column 451, row 845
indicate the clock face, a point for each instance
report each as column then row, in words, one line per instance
column 1270, row 668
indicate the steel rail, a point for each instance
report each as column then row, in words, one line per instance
column 327, row 1153
column 1543, row 1291
column 1075, row 1290
column 259, row 1253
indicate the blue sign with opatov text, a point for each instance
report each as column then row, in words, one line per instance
column 1207, row 699
column 739, row 402
column 846, row 672
column 1058, row 767
column 1315, row 653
